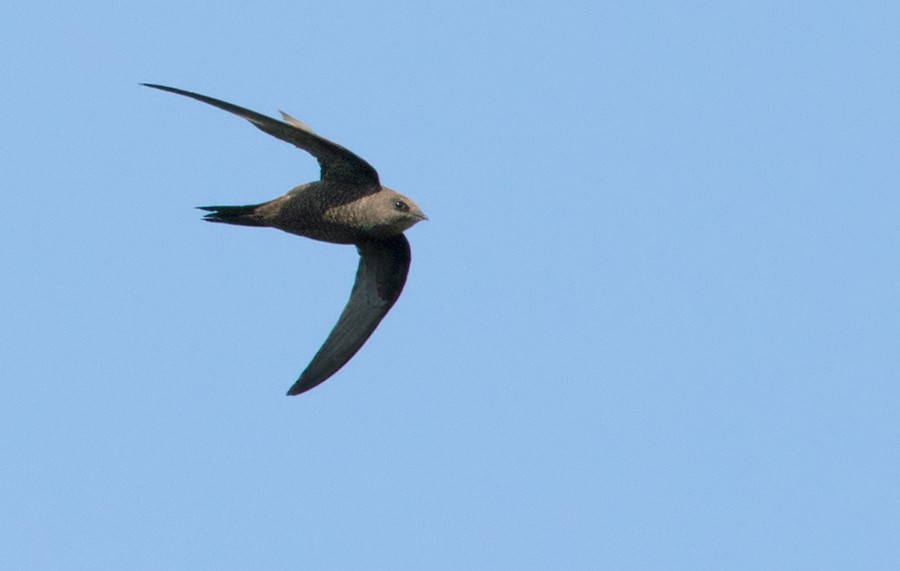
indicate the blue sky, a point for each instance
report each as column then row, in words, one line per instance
column 652, row 322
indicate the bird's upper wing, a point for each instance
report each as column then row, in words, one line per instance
column 383, row 266
column 337, row 163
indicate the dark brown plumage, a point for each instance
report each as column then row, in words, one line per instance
column 347, row 206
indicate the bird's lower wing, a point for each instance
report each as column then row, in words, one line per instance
column 383, row 266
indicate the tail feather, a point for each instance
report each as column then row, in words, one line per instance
column 240, row 215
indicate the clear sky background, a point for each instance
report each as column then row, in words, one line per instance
column 653, row 322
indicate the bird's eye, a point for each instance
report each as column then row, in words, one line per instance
column 401, row 206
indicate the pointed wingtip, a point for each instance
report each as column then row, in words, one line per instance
column 170, row 89
column 303, row 384
column 295, row 390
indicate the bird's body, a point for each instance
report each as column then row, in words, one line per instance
column 327, row 211
column 347, row 206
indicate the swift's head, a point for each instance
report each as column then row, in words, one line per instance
column 387, row 212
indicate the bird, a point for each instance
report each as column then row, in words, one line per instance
column 347, row 205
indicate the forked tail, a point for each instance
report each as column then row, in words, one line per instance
column 241, row 215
